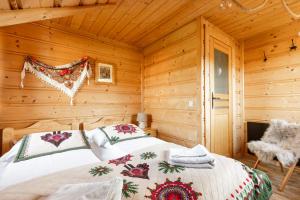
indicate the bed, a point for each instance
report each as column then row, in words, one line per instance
column 12, row 172
column 147, row 174
column 16, row 172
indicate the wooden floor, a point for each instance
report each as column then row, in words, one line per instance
column 292, row 190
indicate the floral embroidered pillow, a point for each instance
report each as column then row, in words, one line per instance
column 46, row 143
column 122, row 132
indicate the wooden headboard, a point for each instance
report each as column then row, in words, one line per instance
column 10, row 135
column 103, row 121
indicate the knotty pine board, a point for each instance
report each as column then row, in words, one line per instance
column 171, row 79
column 170, row 70
column 21, row 107
column 272, row 87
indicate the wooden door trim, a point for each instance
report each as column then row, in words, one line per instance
column 207, row 30
column 215, row 43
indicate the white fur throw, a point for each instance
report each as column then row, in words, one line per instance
column 281, row 140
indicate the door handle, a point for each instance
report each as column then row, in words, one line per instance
column 214, row 98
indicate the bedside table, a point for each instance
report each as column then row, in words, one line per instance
column 152, row 132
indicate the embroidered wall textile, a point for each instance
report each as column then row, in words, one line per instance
column 68, row 78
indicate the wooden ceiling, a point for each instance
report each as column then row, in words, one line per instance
column 141, row 22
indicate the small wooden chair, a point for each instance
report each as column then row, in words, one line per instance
column 281, row 140
column 287, row 176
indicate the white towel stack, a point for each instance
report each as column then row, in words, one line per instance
column 196, row 157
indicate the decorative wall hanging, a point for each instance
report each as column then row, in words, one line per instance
column 68, row 78
column 104, row 73
column 228, row 4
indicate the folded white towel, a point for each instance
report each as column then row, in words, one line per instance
column 198, row 166
column 193, row 160
column 106, row 190
column 197, row 151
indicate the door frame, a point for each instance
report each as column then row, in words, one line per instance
column 209, row 30
column 214, row 43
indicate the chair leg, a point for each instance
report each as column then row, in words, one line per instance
column 256, row 163
column 286, row 178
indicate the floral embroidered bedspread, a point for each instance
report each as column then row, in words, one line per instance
column 148, row 175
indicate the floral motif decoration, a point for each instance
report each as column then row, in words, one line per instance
column 66, row 76
column 148, row 155
column 114, row 139
column 56, row 137
column 139, row 171
column 125, row 128
column 166, row 167
column 173, row 190
column 252, row 186
column 122, row 160
column 129, row 188
column 100, row 170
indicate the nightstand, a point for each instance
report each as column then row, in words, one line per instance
column 152, row 132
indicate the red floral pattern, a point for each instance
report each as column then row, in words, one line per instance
column 125, row 128
column 122, row 160
column 66, row 76
column 173, row 190
column 56, row 138
column 140, row 171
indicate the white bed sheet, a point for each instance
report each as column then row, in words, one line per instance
column 12, row 173
column 15, row 172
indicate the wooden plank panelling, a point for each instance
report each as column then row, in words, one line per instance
column 272, row 87
column 21, row 107
column 170, row 74
column 172, row 79
column 143, row 22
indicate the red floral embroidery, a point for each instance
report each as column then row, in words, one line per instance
column 173, row 190
column 122, row 160
column 125, row 128
column 56, row 138
column 140, row 171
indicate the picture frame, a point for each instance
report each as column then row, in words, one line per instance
column 104, row 73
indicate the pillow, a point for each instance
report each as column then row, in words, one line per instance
column 122, row 132
column 11, row 154
column 96, row 136
column 46, row 143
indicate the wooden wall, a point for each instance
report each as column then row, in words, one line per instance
column 174, row 76
column 272, row 88
column 21, row 107
column 172, row 79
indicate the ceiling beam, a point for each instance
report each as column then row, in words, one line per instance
column 13, row 17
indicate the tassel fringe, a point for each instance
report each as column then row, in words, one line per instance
column 86, row 73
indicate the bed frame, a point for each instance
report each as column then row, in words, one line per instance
column 103, row 121
column 10, row 135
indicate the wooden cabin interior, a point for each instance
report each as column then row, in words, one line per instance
column 219, row 73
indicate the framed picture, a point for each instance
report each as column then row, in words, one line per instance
column 104, row 73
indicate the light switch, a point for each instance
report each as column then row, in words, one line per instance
column 191, row 103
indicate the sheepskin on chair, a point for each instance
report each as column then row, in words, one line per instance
column 281, row 140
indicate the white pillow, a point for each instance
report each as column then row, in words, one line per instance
column 11, row 154
column 99, row 139
column 107, row 145
column 96, row 136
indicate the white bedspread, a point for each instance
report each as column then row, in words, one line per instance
column 12, row 173
column 122, row 148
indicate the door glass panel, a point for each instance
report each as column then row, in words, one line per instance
column 221, row 72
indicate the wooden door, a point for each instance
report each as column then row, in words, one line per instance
column 221, row 97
